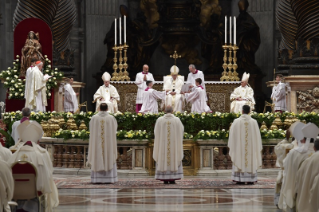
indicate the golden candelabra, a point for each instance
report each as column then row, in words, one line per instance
column 120, row 76
column 231, row 65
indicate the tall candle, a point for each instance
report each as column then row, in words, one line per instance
column 230, row 35
column 115, row 33
column 225, row 30
column 125, row 29
column 120, row 29
column 235, row 31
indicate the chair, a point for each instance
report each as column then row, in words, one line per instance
column 25, row 182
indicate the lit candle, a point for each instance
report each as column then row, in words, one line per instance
column 115, row 33
column 225, row 30
column 230, row 35
column 235, row 31
column 125, row 29
column 120, row 29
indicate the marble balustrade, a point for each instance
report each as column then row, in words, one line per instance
column 200, row 157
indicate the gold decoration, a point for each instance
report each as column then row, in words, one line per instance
column 120, row 76
column 225, row 76
column 263, row 126
column 125, row 65
column 308, row 100
column 273, row 127
column 102, row 138
column 45, row 127
column 84, row 104
column 175, row 56
column 232, row 64
column 168, row 143
column 82, row 126
column 235, row 66
column 278, row 122
column 71, row 124
column 287, row 122
column 115, row 67
column 246, row 144
column 267, row 104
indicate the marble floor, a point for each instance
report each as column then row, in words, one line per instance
column 179, row 200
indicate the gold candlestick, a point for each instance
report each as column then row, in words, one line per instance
column 225, row 76
column 230, row 64
column 235, row 66
column 120, row 78
column 115, row 67
column 125, row 65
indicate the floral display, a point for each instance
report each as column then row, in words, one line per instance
column 16, row 84
column 72, row 134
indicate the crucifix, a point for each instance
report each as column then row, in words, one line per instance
column 175, row 56
column 24, row 157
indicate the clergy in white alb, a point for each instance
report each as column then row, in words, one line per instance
column 70, row 97
column 28, row 82
column 245, row 148
column 30, row 133
column 173, row 85
column 6, row 185
column 314, row 191
column 103, row 147
column 140, row 81
column 107, row 93
column 291, row 164
column 168, row 147
column 197, row 98
column 37, row 96
column 26, row 112
column 281, row 150
column 195, row 74
column 5, row 153
column 279, row 94
column 150, row 97
column 307, row 172
column 243, row 95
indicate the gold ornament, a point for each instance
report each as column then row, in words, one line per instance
column 278, row 122
column 263, row 126
column 82, row 126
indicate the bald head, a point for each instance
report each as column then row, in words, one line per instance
column 145, row 68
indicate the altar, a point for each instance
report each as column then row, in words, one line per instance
column 218, row 94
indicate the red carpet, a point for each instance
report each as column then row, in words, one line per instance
column 155, row 184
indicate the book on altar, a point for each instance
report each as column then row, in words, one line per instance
column 46, row 77
column 185, row 87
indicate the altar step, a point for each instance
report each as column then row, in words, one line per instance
column 140, row 173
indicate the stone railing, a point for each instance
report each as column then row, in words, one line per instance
column 200, row 157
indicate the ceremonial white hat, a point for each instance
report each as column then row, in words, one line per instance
column 296, row 130
column 30, row 131
column 106, row 77
column 310, row 130
column 174, row 70
column 245, row 77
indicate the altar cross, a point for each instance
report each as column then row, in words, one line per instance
column 175, row 56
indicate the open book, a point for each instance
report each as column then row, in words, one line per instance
column 46, row 77
column 185, row 87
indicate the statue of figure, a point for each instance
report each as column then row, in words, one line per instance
column 248, row 40
column 32, row 49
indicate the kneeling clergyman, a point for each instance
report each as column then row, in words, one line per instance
column 103, row 147
column 150, row 97
column 245, row 148
column 243, row 95
column 168, row 147
column 108, row 94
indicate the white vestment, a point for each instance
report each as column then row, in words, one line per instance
column 141, row 84
column 279, row 96
column 281, row 150
column 40, row 158
column 305, row 181
column 150, row 98
column 177, row 100
column 37, row 96
column 6, row 185
column 291, row 164
column 102, row 153
column 168, row 147
column 314, row 193
column 110, row 95
column 5, row 153
column 192, row 77
column 28, row 82
column 245, row 148
column 247, row 94
column 198, row 101
column 70, row 99
column 14, row 133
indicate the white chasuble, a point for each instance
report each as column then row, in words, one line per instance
column 279, row 96
column 70, row 99
column 314, row 194
column 6, row 185
column 291, row 164
column 177, row 100
column 168, row 143
column 28, row 83
column 5, row 153
column 150, row 97
column 198, row 100
column 141, row 84
column 40, row 158
column 37, row 96
column 245, row 145
column 102, row 144
column 110, row 95
column 305, row 181
column 247, row 94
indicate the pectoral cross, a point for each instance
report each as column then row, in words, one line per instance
column 24, row 157
column 175, row 56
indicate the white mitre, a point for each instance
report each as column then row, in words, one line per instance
column 106, row 77
column 30, row 131
column 174, row 70
column 245, row 77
